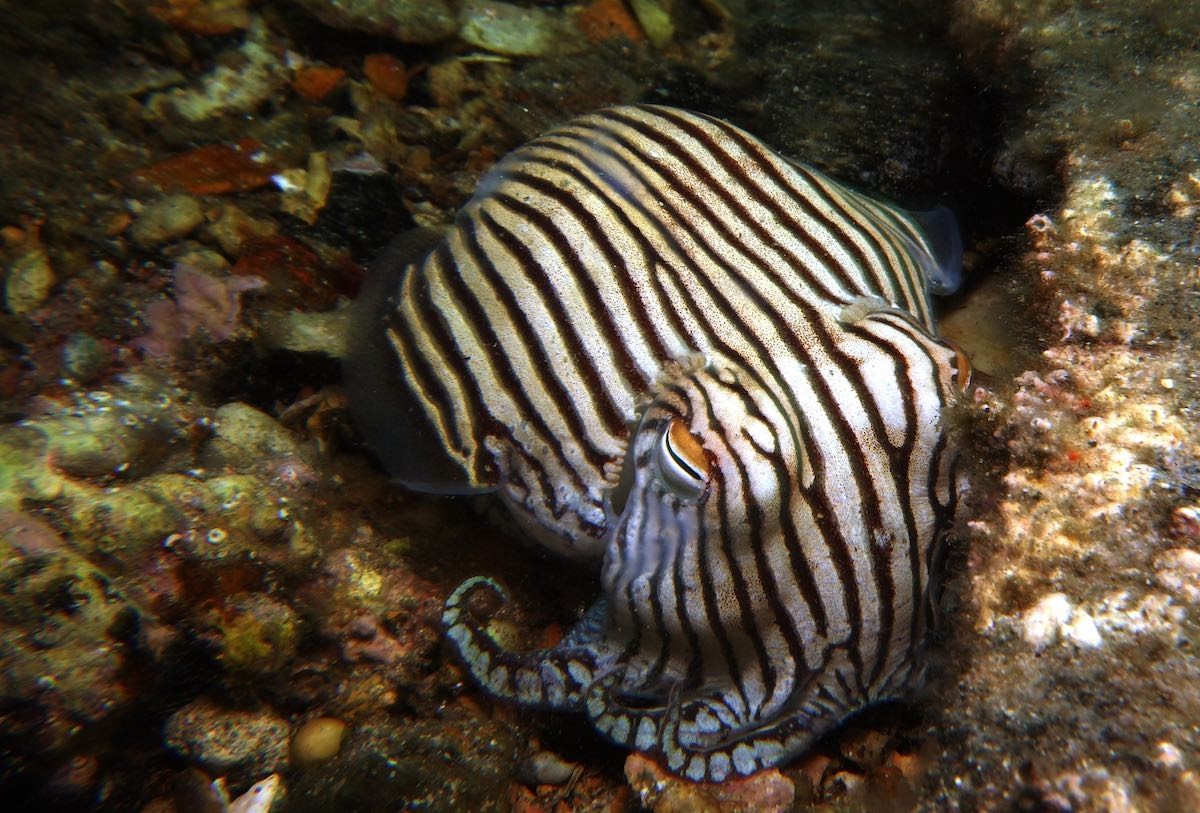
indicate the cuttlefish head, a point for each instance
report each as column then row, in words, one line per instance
column 703, row 477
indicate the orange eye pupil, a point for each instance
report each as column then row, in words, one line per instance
column 687, row 447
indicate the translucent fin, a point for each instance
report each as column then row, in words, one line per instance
column 381, row 404
column 940, row 228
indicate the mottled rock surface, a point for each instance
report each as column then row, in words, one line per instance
column 1073, row 630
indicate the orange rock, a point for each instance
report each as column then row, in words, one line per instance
column 203, row 16
column 524, row 801
column 606, row 19
column 767, row 791
column 218, row 169
column 386, row 74
column 315, row 82
column 290, row 268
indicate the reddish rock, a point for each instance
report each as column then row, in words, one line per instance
column 607, row 19
column 387, row 75
column 314, row 82
column 217, row 169
column 764, row 792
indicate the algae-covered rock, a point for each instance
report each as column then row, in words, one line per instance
column 1076, row 669
column 258, row 635
column 403, row 20
column 302, row 332
column 240, row 504
column 246, row 438
column 25, row 473
column 29, row 280
column 84, row 357
column 60, row 618
column 120, row 521
column 105, row 435
column 506, row 28
column 167, row 219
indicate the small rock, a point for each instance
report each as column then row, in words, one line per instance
column 107, row 435
column 318, row 740
column 233, row 228
column 512, row 30
column 29, row 281
column 1178, row 571
column 1042, row 624
column 246, row 437
column 223, row 740
column 1083, row 630
column 120, row 522
column 767, row 791
column 843, row 785
column 1169, row 756
column 418, row 21
column 302, row 332
column 84, row 357
column 167, row 219
column 655, row 19
column 387, row 75
column 864, row 747
column 547, row 768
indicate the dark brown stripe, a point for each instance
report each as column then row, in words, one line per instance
column 499, row 362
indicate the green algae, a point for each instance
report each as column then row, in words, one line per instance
column 24, row 470
column 241, row 506
column 120, row 522
column 260, row 635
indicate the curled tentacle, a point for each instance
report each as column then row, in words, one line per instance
column 614, row 716
column 554, row 678
column 705, row 739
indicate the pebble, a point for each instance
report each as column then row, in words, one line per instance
column 246, row 437
column 222, row 741
column 504, row 28
column 655, row 19
column 864, row 747
column 318, row 740
column 303, row 332
column 84, row 357
column 101, row 441
column 29, row 281
column 418, row 21
column 1178, row 571
column 1042, row 624
column 168, row 219
column 548, row 768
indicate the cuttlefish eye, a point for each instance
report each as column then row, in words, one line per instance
column 683, row 466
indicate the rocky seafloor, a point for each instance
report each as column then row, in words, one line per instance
column 211, row 597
